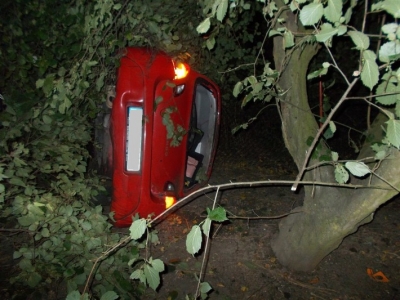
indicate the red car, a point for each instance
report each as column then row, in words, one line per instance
column 163, row 132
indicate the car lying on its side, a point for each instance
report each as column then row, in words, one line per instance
column 161, row 134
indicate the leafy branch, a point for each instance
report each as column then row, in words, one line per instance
column 193, row 243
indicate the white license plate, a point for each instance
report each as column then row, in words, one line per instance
column 134, row 138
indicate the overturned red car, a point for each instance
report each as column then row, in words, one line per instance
column 163, row 132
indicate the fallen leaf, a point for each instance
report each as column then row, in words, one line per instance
column 314, row 280
column 174, row 261
column 378, row 276
column 250, row 265
column 244, row 288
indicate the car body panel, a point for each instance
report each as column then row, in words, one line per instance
column 151, row 161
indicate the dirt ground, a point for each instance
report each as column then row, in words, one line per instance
column 241, row 264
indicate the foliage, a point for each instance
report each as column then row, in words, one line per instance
column 326, row 20
column 56, row 63
column 194, row 238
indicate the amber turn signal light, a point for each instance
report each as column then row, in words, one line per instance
column 169, row 201
column 181, row 70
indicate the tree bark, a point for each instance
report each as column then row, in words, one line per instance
column 328, row 214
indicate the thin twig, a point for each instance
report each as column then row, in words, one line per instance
column 265, row 218
column 323, row 163
column 335, row 65
column 319, row 133
column 387, row 182
column 206, row 252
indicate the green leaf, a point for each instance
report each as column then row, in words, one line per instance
column 383, row 88
column 17, row 254
column 393, row 132
column 100, row 82
column 328, row 133
column 67, row 103
column 326, row 33
column 360, row 39
column 379, row 147
column 204, row 26
column 335, row 156
column 222, row 9
column 206, row 226
column 218, row 214
column 389, row 51
column 246, row 99
column 342, row 30
column 380, row 155
column 370, row 70
column 317, row 73
column 288, row 38
column 39, row 83
column 86, row 225
column 210, row 43
column 92, row 63
column 26, row 220
column 392, row 7
column 205, row 287
column 25, row 264
column 347, row 15
column 158, row 100
column 238, row 88
column 45, row 233
column 333, row 11
column 81, row 278
column 252, row 80
column 47, row 119
column 390, row 28
column 110, row 295
column 17, row 181
column 117, row 6
column 193, row 240
column 34, row 279
column 311, row 13
column 48, row 85
column 332, row 126
column 358, row 169
column 74, row 295
column 158, row 265
column 397, row 112
column 138, row 274
column 341, row 174
column 274, row 32
column 152, row 276
column 138, row 228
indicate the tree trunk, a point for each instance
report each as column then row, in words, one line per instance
column 328, row 214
